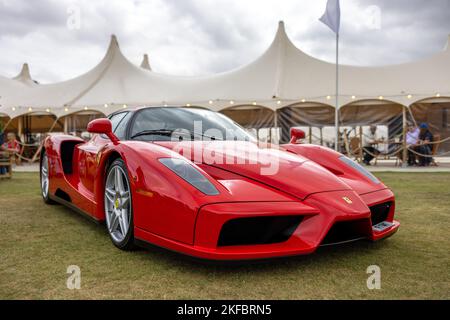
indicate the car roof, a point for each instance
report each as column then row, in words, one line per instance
column 155, row 107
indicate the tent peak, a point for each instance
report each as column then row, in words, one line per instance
column 113, row 44
column 24, row 75
column 145, row 63
column 281, row 35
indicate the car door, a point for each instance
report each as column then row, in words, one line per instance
column 88, row 152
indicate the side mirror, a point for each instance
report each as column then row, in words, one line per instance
column 102, row 126
column 297, row 134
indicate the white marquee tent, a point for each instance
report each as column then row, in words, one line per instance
column 283, row 75
column 282, row 78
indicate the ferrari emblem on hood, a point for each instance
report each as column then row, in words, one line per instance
column 348, row 200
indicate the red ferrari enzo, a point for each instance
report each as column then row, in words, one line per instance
column 192, row 181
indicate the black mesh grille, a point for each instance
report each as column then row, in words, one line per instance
column 258, row 230
column 344, row 231
column 380, row 212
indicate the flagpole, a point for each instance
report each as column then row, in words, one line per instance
column 336, row 110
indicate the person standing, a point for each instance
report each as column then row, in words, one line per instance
column 412, row 138
column 424, row 146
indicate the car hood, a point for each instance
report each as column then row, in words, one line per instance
column 281, row 170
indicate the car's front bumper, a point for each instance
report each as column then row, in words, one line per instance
column 320, row 213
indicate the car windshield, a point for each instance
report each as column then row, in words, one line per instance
column 170, row 123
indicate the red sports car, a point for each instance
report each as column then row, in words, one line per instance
column 193, row 181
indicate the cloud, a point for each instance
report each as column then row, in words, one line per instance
column 197, row 37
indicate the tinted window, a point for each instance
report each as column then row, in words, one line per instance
column 116, row 119
column 121, row 129
column 196, row 122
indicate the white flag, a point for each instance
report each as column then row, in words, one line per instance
column 332, row 15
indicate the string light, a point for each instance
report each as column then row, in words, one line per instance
column 278, row 102
column 210, row 102
column 13, row 108
column 353, row 97
column 380, row 98
column 124, row 106
column 85, row 108
column 328, row 97
column 47, row 110
column 438, row 95
column 30, row 109
column 106, row 105
column 303, row 100
column 188, row 104
column 66, row 109
column 254, row 103
column 409, row 96
column 231, row 102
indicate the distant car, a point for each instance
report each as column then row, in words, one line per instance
column 174, row 177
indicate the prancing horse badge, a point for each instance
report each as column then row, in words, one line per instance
column 348, row 200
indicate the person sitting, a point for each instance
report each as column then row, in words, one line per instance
column 424, row 146
column 412, row 138
column 11, row 145
column 370, row 140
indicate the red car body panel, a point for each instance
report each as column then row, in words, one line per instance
column 311, row 183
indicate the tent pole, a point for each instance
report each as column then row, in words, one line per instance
column 275, row 124
column 19, row 127
column 53, row 125
column 405, row 150
column 310, row 135
column 360, row 144
column 65, row 124
column 321, row 136
column 336, row 110
column 7, row 124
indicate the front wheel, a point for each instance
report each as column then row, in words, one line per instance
column 45, row 179
column 119, row 206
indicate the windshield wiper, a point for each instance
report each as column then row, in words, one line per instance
column 162, row 132
column 169, row 132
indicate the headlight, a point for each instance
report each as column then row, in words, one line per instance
column 190, row 174
column 360, row 168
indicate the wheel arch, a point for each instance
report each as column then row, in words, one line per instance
column 105, row 160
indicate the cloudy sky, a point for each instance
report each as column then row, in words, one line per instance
column 61, row 39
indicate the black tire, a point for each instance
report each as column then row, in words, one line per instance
column 127, row 243
column 45, row 165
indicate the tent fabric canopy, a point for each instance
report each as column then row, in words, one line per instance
column 281, row 77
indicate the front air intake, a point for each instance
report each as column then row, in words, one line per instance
column 346, row 231
column 258, row 230
column 380, row 212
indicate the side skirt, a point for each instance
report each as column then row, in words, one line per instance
column 73, row 207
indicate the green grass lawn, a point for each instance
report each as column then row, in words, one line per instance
column 39, row 242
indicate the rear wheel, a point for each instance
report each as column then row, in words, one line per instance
column 118, row 206
column 44, row 179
